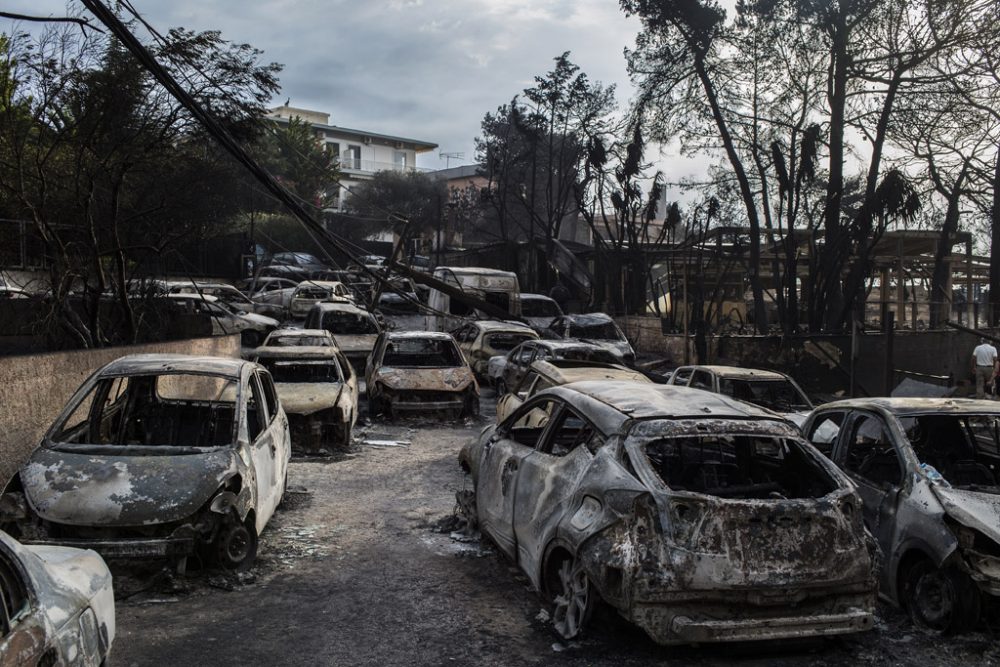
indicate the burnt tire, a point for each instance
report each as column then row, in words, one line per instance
column 573, row 598
column 235, row 546
column 944, row 600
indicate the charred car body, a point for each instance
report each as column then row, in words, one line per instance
column 417, row 371
column 597, row 328
column 354, row 329
column 768, row 389
column 543, row 375
column 698, row 518
column 318, row 391
column 58, row 607
column 158, row 456
column 928, row 471
column 518, row 361
column 484, row 339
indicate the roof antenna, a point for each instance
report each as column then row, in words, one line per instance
column 448, row 157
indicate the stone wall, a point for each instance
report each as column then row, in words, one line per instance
column 34, row 388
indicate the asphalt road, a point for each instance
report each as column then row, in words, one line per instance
column 355, row 570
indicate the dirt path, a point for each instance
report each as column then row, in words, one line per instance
column 353, row 572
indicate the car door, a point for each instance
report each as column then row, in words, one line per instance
column 546, row 482
column 267, row 462
column 515, row 372
column 867, row 453
column 513, row 440
column 22, row 622
column 682, row 376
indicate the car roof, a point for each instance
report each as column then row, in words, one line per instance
column 301, row 333
column 738, row 372
column 431, row 335
column 649, row 401
column 320, row 283
column 905, row 406
column 343, row 306
column 506, row 325
column 145, row 364
column 475, row 271
column 589, row 318
column 298, row 352
column 191, row 295
column 566, row 371
column 567, row 344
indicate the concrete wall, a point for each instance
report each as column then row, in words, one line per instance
column 34, row 388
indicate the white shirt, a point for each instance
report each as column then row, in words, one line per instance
column 985, row 354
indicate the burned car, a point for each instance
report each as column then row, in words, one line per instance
column 518, row 361
column 698, row 518
column 318, row 391
column 420, row 371
column 928, row 470
column 768, row 389
column 354, row 329
column 484, row 339
column 158, row 456
column 310, row 292
column 545, row 374
column 58, row 607
column 597, row 328
column 299, row 338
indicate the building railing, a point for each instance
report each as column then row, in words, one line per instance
column 350, row 164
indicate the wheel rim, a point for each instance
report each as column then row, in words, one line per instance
column 933, row 600
column 572, row 600
column 238, row 545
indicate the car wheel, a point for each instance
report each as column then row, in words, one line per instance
column 941, row 599
column 236, row 544
column 573, row 599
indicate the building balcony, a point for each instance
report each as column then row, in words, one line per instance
column 355, row 166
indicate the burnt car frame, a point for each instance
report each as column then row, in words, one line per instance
column 318, row 391
column 57, row 606
column 158, row 456
column 519, row 359
column 543, row 375
column 928, row 470
column 696, row 517
column 484, row 339
column 419, row 371
column 768, row 389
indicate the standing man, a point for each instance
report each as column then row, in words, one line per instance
column 984, row 361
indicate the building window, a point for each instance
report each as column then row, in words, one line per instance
column 399, row 160
column 352, row 159
column 333, row 149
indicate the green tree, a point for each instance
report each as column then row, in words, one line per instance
column 109, row 169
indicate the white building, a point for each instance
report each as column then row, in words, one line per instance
column 361, row 153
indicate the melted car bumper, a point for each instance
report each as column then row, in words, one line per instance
column 750, row 618
column 127, row 547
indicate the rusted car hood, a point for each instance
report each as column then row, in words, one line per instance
column 443, row 379
column 305, row 398
column 355, row 343
column 974, row 509
column 84, row 489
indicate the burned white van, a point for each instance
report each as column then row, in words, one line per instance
column 499, row 288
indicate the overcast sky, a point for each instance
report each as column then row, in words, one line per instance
column 423, row 69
